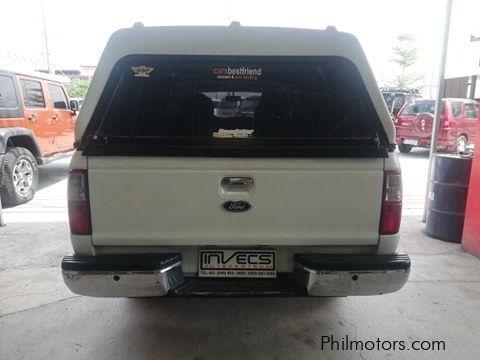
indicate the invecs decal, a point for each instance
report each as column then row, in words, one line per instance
column 237, row 259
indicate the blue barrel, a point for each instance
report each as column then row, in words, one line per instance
column 448, row 197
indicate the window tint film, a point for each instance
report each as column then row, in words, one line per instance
column 471, row 110
column 33, row 94
column 456, row 108
column 394, row 100
column 59, row 100
column 422, row 106
column 8, row 98
column 247, row 101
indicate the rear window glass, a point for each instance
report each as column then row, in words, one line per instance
column 456, row 108
column 59, row 100
column 230, row 102
column 249, row 105
column 8, row 98
column 471, row 110
column 421, row 106
column 33, row 94
column 394, row 100
column 183, row 101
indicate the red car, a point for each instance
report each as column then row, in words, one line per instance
column 458, row 123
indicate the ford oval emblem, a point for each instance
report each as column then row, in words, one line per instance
column 236, row 206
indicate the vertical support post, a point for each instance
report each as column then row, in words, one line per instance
column 438, row 103
column 49, row 68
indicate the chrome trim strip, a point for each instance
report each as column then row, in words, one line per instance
column 170, row 267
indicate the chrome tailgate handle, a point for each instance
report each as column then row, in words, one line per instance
column 237, row 182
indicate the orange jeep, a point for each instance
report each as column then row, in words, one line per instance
column 36, row 127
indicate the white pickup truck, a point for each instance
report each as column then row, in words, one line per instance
column 299, row 196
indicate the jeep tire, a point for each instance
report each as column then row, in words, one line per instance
column 20, row 176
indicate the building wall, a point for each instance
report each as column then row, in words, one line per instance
column 456, row 87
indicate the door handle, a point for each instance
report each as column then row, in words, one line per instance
column 33, row 117
column 237, row 182
column 55, row 118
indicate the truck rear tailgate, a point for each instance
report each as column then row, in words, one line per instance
column 178, row 201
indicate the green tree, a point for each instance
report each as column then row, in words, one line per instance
column 78, row 88
column 405, row 54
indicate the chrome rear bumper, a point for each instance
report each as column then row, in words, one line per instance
column 351, row 275
column 122, row 275
column 162, row 275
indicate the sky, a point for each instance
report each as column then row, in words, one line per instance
column 78, row 30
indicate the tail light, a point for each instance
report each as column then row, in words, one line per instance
column 78, row 203
column 445, row 123
column 391, row 215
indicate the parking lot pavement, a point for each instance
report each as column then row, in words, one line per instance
column 49, row 203
column 41, row 319
column 414, row 177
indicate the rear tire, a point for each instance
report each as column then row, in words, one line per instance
column 20, row 177
column 404, row 149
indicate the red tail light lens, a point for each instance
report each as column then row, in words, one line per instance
column 78, row 203
column 445, row 123
column 391, row 215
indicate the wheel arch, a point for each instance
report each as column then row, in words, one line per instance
column 20, row 137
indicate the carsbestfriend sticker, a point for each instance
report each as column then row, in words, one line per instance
column 237, row 73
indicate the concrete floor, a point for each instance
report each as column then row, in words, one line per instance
column 41, row 319
column 49, row 204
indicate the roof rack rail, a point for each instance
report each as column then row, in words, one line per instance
column 399, row 89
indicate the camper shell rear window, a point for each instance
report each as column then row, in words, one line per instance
column 235, row 106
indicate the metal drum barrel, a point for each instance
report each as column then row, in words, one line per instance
column 448, row 197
